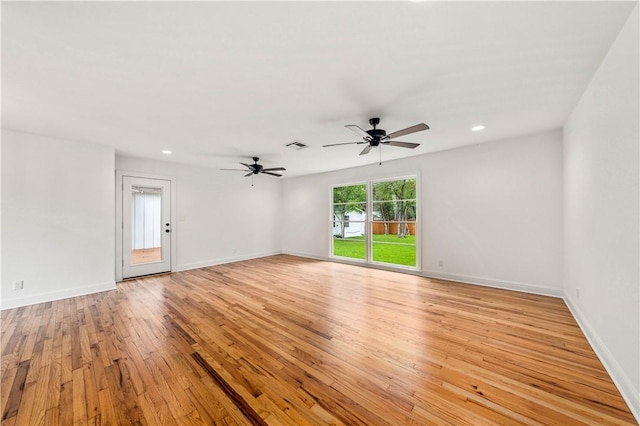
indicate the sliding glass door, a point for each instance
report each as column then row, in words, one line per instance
column 350, row 222
column 376, row 222
column 393, row 228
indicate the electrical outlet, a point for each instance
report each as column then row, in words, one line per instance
column 18, row 285
column 577, row 293
column 440, row 263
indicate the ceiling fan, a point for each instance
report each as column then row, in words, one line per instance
column 255, row 168
column 377, row 137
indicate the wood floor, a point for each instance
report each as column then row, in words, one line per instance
column 284, row 340
column 153, row 254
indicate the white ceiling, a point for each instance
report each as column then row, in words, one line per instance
column 219, row 82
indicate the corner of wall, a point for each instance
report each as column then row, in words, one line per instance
column 629, row 393
column 601, row 244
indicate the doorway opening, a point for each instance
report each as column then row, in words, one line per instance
column 145, row 233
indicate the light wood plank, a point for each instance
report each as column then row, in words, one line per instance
column 286, row 340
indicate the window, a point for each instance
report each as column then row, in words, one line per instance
column 349, row 221
column 388, row 234
column 393, row 230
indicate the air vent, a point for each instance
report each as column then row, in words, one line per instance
column 297, row 145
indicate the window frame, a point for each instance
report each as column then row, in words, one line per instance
column 369, row 223
column 363, row 222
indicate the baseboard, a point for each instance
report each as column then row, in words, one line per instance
column 467, row 279
column 56, row 295
column 305, row 255
column 206, row 263
column 625, row 385
column 490, row 282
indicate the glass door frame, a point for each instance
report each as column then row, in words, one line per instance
column 119, row 255
column 418, row 209
column 368, row 260
column 365, row 223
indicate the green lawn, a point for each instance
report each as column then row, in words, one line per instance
column 386, row 249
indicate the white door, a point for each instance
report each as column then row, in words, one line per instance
column 146, row 226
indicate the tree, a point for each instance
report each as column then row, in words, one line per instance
column 395, row 200
column 348, row 199
column 382, row 194
column 405, row 194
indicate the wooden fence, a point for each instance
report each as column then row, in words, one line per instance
column 378, row 228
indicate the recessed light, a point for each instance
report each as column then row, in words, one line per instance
column 477, row 128
column 166, row 151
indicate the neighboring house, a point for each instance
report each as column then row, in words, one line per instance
column 354, row 225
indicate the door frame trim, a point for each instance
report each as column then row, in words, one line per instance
column 118, row 223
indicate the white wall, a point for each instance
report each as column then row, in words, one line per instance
column 601, row 141
column 491, row 212
column 220, row 216
column 57, row 218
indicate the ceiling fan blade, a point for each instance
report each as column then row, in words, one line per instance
column 417, row 128
column 366, row 150
column 248, row 174
column 402, row 144
column 272, row 174
column 246, row 165
column 275, row 169
column 236, row 170
column 344, row 143
column 358, row 130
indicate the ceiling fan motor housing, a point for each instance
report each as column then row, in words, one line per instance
column 256, row 168
column 376, row 136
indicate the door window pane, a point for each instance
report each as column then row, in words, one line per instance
column 393, row 228
column 351, row 247
column 389, row 248
column 146, row 226
column 350, row 221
